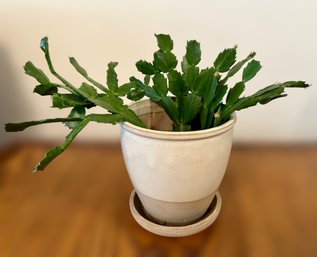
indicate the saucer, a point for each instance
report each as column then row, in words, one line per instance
column 174, row 231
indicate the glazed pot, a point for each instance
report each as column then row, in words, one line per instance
column 175, row 174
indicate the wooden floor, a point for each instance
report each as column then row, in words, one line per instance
column 79, row 206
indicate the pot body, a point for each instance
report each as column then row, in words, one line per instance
column 175, row 174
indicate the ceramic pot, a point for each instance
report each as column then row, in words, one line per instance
column 175, row 174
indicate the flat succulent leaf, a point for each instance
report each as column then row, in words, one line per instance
column 76, row 112
column 76, row 65
column 204, row 116
column 251, row 70
column 137, row 83
column 164, row 42
column 88, row 91
column 15, row 127
column 54, row 152
column 69, row 100
column 235, row 68
column 109, row 103
column 48, row 89
column 250, row 101
column 185, row 65
column 124, row 89
column 116, row 98
column 176, row 83
column 160, row 84
column 112, row 78
column 136, row 94
column 170, row 107
column 191, row 104
column 36, row 73
column 84, row 73
column 190, row 77
column 269, row 99
column 147, row 80
column 146, row 68
column 220, row 92
column 193, row 52
column 152, row 94
column 105, row 118
column 298, row 84
column 225, row 60
column 262, row 96
column 130, row 116
column 209, row 92
column 164, row 61
column 115, row 105
column 204, row 82
column 235, row 92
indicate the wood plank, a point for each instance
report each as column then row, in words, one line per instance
column 79, row 206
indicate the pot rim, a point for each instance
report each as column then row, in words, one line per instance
column 178, row 135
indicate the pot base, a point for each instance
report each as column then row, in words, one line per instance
column 144, row 221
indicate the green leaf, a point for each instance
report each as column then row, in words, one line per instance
column 88, row 91
column 205, row 117
column 130, row 116
column 251, row 70
column 152, row 94
column 160, row 84
column 225, row 60
column 263, row 96
column 185, row 65
column 234, row 93
column 146, row 68
column 84, row 73
column 170, row 108
column 147, row 80
column 15, row 127
column 190, row 77
column 220, row 92
column 205, row 83
column 76, row 65
column 136, row 94
column 105, row 118
column 68, row 100
column 209, row 92
column 54, row 152
column 298, row 84
column 67, row 85
column 76, row 112
column 176, row 83
column 191, row 104
column 36, row 73
column 124, row 89
column 110, row 103
column 137, row 83
column 193, row 52
column 48, row 89
column 239, row 65
column 268, row 89
column 164, row 42
column 164, row 61
column 112, row 79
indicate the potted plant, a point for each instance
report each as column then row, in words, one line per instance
column 176, row 144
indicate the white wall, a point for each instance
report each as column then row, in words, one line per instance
column 283, row 33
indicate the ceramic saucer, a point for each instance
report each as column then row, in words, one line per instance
column 174, row 231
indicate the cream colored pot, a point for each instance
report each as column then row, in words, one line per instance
column 175, row 174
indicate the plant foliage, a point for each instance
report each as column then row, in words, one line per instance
column 194, row 98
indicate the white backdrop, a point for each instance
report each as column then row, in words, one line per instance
column 282, row 32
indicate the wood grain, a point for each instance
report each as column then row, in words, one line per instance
column 79, row 206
